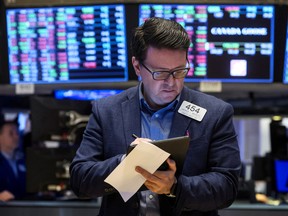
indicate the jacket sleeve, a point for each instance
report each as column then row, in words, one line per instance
column 90, row 165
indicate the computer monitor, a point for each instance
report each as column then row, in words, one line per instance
column 281, row 175
column 58, row 122
column 47, row 169
column 230, row 43
column 67, row 44
column 259, row 168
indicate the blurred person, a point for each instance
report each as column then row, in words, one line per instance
column 12, row 164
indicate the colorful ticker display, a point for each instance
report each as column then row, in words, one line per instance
column 229, row 43
column 68, row 44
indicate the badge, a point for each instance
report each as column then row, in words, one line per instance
column 192, row 111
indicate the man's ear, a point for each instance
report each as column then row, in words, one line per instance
column 136, row 66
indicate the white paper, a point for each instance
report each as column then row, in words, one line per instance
column 125, row 179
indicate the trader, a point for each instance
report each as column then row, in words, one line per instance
column 12, row 164
column 161, row 107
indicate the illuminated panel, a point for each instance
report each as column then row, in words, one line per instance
column 86, row 94
column 285, row 72
column 281, row 176
column 229, row 43
column 67, row 44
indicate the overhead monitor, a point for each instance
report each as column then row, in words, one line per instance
column 229, row 43
column 67, row 44
column 2, row 39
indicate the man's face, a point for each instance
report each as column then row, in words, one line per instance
column 159, row 93
column 9, row 137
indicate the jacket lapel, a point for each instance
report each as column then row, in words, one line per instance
column 131, row 115
column 180, row 122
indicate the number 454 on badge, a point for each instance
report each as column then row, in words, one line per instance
column 192, row 111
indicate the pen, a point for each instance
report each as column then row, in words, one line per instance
column 135, row 136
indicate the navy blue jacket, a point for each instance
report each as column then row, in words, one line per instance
column 209, row 179
column 8, row 180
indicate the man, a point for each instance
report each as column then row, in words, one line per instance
column 12, row 168
column 209, row 178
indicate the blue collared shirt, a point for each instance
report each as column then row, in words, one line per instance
column 155, row 125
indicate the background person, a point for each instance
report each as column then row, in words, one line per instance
column 12, row 166
column 209, row 178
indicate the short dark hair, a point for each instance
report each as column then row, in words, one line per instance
column 158, row 33
column 3, row 121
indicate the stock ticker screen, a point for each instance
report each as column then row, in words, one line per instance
column 229, row 43
column 68, row 44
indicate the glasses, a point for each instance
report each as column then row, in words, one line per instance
column 163, row 75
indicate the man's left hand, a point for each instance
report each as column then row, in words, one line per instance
column 159, row 182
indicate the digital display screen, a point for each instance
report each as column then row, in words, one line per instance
column 88, row 94
column 281, row 175
column 68, row 44
column 229, row 43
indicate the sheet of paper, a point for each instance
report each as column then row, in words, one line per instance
column 125, row 179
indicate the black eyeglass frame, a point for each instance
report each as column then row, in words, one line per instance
column 169, row 73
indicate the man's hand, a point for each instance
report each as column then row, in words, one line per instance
column 159, row 182
column 138, row 140
column 6, row 196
